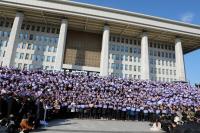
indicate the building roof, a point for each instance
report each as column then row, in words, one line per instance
column 92, row 18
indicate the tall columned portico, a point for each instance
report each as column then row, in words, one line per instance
column 11, row 47
column 104, row 52
column 61, row 45
column 180, row 66
column 144, row 57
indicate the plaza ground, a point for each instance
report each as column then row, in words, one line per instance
column 95, row 126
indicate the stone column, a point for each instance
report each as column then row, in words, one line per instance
column 61, row 45
column 14, row 35
column 104, row 52
column 144, row 57
column 180, row 66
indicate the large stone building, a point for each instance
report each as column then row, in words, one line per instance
column 56, row 35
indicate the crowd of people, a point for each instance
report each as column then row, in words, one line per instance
column 27, row 95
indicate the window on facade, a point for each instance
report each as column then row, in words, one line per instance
column 158, row 45
column 53, row 30
column 135, row 50
column 126, row 49
column 126, row 57
column 122, row 57
column 139, row 50
column 122, row 40
column 17, row 55
column 151, row 70
column 130, row 58
column 158, row 62
column 139, row 68
column 46, row 67
column 43, row 29
column 23, row 26
column 163, row 54
column 53, row 58
column 173, row 63
column 167, row 71
column 151, row 61
column 18, row 45
column 5, row 43
column 131, row 41
column 170, row 47
column 135, row 59
column 154, row 45
column 131, row 50
column 56, row 40
column 116, row 57
column 27, row 27
column 23, row 45
column 113, row 47
column 26, row 56
column 155, row 70
column 47, row 39
column 135, row 42
column 42, row 58
column 173, row 56
column 113, row 66
column 1, row 33
column 38, row 28
column 21, row 56
column 126, row 67
column 5, row 34
column 33, row 28
column 21, row 36
column 37, row 38
column 118, row 48
column 19, row 65
column 151, row 44
column 121, row 66
column 162, row 62
column 1, row 23
column 135, row 68
column 26, row 36
column 4, row 52
column 163, row 71
column 32, row 57
column 158, row 53
column 31, row 37
column 126, row 41
column 122, row 48
column 170, row 72
column 40, row 48
column 166, row 55
column 130, row 67
column 155, row 53
column 151, row 53
column 7, row 24
column 48, row 58
column 166, row 46
column 162, row 47
column 117, row 66
column 159, row 71
column 170, row 55
column 58, row 30
column 25, row 66
column 118, row 39
column 139, row 59
column 48, row 29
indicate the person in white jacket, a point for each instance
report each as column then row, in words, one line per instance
column 156, row 126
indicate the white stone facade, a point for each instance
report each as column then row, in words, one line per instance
column 131, row 48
